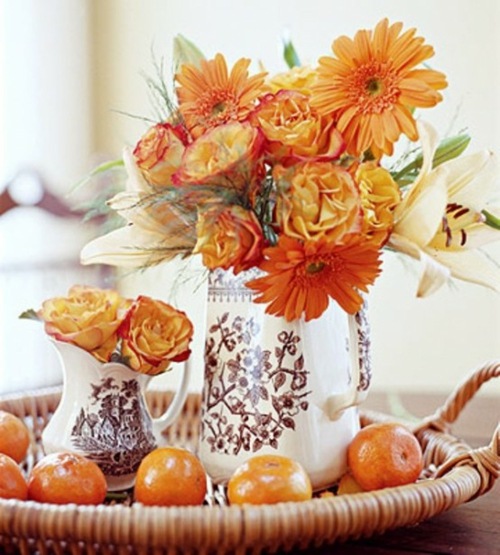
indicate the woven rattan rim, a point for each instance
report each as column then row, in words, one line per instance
column 454, row 473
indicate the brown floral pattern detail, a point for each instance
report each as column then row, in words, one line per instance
column 265, row 389
column 364, row 348
column 114, row 430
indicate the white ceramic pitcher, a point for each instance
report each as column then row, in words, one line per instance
column 103, row 414
column 272, row 386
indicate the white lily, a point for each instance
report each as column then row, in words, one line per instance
column 440, row 220
column 153, row 233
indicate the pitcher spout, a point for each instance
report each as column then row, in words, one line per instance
column 76, row 361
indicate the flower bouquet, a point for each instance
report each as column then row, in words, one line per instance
column 145, row 334
column 291, row 183
column 294, row 174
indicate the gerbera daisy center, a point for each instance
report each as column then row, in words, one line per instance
column 317, row 272
column 315, row 267
column 374, row 87
column 217, row 106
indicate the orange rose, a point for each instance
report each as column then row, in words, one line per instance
column 295, row 131
column 88, row 318
column 159, row 152
column 380, row 195
column 154, row 334
column 229, row 237
column 227, row 156
column 317, row 200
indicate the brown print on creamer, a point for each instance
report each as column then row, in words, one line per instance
column 111, row 431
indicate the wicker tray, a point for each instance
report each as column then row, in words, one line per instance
column 454, row 473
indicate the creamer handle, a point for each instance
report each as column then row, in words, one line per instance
column 170, row 415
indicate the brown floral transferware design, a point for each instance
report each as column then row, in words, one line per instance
column 265, row 389
column 364, row 348
column 224, row 286
column 115, row 429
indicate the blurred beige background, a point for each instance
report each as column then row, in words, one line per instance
column 71, row 69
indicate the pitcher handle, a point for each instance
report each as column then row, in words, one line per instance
column 337, row 403
column 169, row 416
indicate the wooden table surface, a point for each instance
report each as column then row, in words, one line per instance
column 469, row 529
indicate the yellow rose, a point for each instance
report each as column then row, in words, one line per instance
column 317, row 200
column 380, row 194
column 229, row 237
column 227, row 156
column 299, row 78
column 295, row 131
column 158, row 153
column 87, row 317
column 154, row 334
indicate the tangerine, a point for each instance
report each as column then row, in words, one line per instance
column 269, row 479
column 348, row 484
column 67, row 478
column 383, row 455
column 170, row 476
column 14, row 436
column 12, row 481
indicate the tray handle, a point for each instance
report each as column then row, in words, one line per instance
column 486, row 460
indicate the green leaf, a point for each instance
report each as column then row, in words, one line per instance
column 186, row 52
column 448, row 149
column 106, row 166
column 29, row 315
column 491, row 220
column 290, row 54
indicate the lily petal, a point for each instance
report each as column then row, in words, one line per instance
column 135, row 182
column 129, row 246
column 123, row 201
column 157, row 217
column 433, row 273
column 473, row 266
column 478, row 235
column 420, row 219
column 429, row 140
column 471, row 179
column 401, row 244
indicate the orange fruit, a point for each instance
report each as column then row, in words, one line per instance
column 67, row 478
column 269, row 479
column 170, row 476
column 348, row 484
column 383, row 455
column 14, row 436
column 12, row 481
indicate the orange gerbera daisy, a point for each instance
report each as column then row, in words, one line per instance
column 302, row 277
column 210, row 96
column 371, row 85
